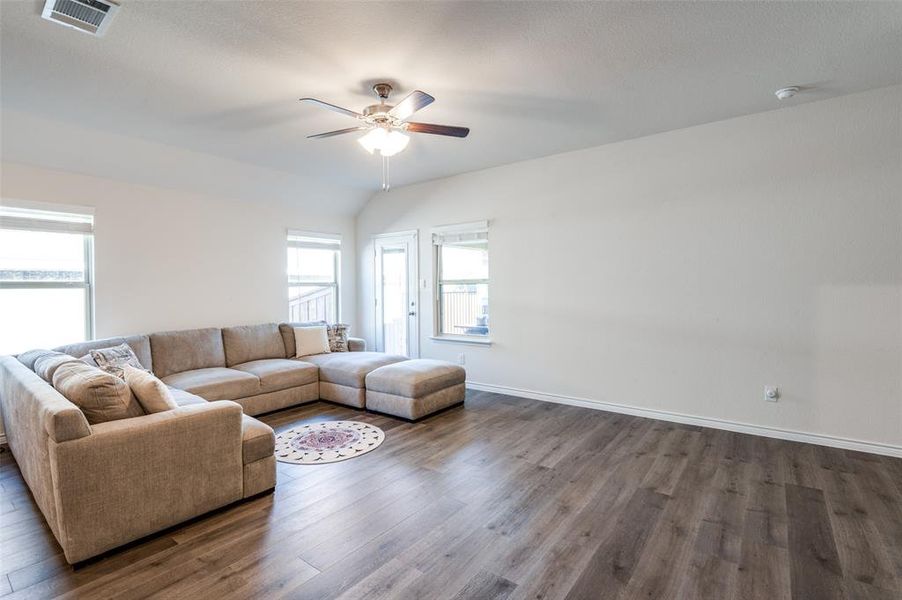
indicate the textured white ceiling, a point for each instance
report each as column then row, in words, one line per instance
column 529, row 79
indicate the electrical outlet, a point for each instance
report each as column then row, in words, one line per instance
column 771, row 393
column 461, row 359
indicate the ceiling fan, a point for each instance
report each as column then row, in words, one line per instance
column 385, row 125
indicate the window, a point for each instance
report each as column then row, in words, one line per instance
column 46, row 260
column 462, row 281
column 314, row 270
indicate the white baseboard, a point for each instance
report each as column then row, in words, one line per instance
column 663, row 415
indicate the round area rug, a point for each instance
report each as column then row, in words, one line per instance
column 327, row 442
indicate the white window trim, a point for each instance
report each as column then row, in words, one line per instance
column 329, row 241
column 438, row 232
column 48, row 225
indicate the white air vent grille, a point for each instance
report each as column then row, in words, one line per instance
column 90, row 16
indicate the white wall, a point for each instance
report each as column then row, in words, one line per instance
column 168, row 259
column 684, row 271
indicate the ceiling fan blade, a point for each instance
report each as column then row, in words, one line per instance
column 460, row 132
column 337, row 109
column 414, row 101
column 336, row 132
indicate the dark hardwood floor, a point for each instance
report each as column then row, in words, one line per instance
column 511, row 498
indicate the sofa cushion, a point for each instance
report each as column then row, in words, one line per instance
column 140, row 345
column 257, row 440
column 215, row 383
column 152, row 394
column 350, row 368
column 29, row 358
column 188, row 350
column 101, row 396
column 183, row 398
column 287, row 331
column 252, row 342
column 280, row 373
column 415, row 378
column 46, row 364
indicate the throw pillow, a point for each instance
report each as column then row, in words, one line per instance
column 112, row 360
column 88, row 360
column 101, row 396
column 46, row 365
column 152, row 394
column 338, row 337
column 311, row 340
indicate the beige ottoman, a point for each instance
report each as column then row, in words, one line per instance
column 415, row 388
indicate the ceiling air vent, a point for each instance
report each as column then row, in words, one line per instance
column 90, row 16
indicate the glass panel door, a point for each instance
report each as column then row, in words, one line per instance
column 396, row 295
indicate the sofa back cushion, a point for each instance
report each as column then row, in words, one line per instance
column 101, row 396
column 252, row 342
column 140, row 345
column 30, row 358
column 177, row 351
column 46, row 365
column 287, row 331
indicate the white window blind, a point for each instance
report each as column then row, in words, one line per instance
column 23, row 219
column 461, row 234
column 304, row 239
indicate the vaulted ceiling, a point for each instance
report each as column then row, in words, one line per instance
column 529, row 78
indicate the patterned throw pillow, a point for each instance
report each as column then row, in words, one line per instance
column 113, row 359
column 338, row 337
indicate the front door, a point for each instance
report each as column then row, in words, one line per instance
column 397, row 300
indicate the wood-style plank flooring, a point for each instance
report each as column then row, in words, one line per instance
column 512, row 498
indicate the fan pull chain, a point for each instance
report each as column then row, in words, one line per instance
column 385, row 174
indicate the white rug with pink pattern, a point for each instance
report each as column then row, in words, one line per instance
column 327, row 442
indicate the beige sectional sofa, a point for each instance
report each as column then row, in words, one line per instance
column 103, row 485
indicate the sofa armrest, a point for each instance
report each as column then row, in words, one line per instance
column 136, row 476
column 356, row 344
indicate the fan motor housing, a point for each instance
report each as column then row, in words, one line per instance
column 374, row 110
column 377, row 114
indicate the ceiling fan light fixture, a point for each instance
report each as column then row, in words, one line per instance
column 373, row 139
column 388, row 143
column 394, row 142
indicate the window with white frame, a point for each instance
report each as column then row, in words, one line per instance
column 461, row 254
column 46, row 262
column 314, row 273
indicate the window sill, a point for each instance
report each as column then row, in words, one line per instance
column 461, row 339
